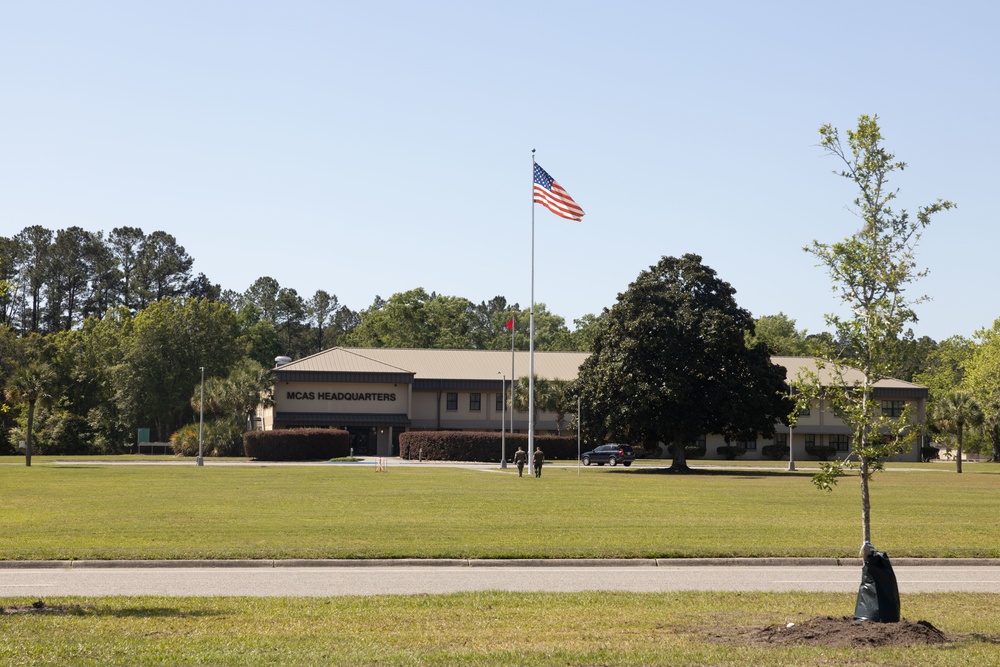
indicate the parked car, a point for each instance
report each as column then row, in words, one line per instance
column 611, row 454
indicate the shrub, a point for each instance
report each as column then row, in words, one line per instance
column 479, row 445
column 62, row 433
column 774, row 452
column 220, row 437
column 730, row 452
column 821, row 452
column 298, row 444
column 929, row 453
column 184, row 440
column 691, row 450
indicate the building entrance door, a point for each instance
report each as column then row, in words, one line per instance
column 361, row 440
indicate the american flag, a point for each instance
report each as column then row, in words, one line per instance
column 552, row 196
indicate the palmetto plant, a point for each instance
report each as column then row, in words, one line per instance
column 31, row 384
column 954, row 413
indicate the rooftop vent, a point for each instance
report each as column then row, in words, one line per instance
column 282, row 360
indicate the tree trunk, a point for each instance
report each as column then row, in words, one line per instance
column 679, row 462
column 958, row 459
column 27, row 441
column 866, row 505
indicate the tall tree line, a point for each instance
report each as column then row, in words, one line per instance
column 121, row 330
column 71, row 299
column 55, row 280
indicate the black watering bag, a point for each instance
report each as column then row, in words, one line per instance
column 878, row 596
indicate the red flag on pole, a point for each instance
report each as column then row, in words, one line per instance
column 510, row 323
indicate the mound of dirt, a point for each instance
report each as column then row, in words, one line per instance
column 842, row 632
column 38, row 607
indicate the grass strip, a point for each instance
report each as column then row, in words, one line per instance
column 489, row 628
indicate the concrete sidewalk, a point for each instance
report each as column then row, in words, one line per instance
column 482, row 562
column 286, row 579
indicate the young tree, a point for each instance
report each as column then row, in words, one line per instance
column 871, row 271
column 671, row 363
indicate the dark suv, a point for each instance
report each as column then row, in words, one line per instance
column 610, row 454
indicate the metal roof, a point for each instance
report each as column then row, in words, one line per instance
column 440, row 364
column 802, row 366
column 489, row 365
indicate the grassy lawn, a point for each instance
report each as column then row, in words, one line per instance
column 488, row 628
column 93, row 511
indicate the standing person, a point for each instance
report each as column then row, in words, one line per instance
column 520, row 457
column 539, row 460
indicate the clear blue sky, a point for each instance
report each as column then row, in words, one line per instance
column 368, row 148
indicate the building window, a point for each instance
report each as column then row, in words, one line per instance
column 500, row 406
column 804, row 412
column 841, row 442
column 893, row 408
column 475, row 402
column 452, row 400
column 749, row 445
column 781, row 439
column 810, row 439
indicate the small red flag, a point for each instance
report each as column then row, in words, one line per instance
column 510, row 323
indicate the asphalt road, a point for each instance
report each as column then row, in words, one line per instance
column 405, row 579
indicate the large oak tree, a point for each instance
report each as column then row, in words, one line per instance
column 671, row 363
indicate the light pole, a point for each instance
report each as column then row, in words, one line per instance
column 791, row 447
column 201, row 416
column 503, row 418
column 579, row 425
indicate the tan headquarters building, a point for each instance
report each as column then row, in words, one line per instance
column 376, row 394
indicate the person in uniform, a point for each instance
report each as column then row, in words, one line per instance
column 539, row 460
column 520, row 458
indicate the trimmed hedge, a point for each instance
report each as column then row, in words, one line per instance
column 297, row 444
column 821, row 452
column 774, row 452
column 479, row 445
column 730, row 452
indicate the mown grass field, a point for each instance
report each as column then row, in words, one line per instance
column 487, row 628
column 97, row 510
column 86, row 510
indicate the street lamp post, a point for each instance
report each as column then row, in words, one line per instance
column 503, row 419
column 201, row 417
column 791, row 447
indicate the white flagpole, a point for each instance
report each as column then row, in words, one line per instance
column 512, row 376
column 503, row 420
column 531, row 330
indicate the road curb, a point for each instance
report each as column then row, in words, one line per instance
column 484, row 562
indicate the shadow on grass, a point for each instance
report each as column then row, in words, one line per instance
column 715, row 472
column 41, row 608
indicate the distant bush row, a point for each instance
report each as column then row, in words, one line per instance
column 479, row 445
column 297, row 444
